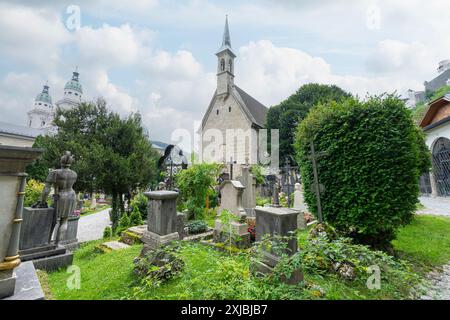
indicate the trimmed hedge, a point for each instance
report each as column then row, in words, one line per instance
column 370, row 172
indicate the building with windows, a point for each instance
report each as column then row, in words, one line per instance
column 43, row 112
column 231, row 125
column 436, row 125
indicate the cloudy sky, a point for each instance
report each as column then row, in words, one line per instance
column 157, row 56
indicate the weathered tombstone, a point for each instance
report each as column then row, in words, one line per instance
column 276, row 221
column 249, row 194
column 181, row 222
column 70, row 239
column 231, row 197
column 40, row 221
column 299, row 204
column 231, row 200
column 161, row 219
column 16, row 280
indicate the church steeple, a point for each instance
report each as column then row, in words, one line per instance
column 225, row 62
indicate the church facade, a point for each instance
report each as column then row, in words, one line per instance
column 43, row 112
column 231, row 126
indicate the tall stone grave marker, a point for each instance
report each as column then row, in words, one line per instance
column 299, row 204
column 231, row 199
column 161, row 219
column 276, row 221
column 13, row 161
column 249, row 194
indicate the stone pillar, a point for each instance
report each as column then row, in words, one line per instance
column 276, row 221
column 299, row 204
column 161, row 219
column 434, row 189
column 13, row 161
column 249, row 193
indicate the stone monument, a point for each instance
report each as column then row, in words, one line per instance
column 42, row 222
column 17, row 281
column 231, row 192
column 161, row 219
column 231, row 197
column 276, row 221
column 249, row 194
column 299, row 204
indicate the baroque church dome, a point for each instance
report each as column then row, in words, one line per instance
column 74, row 84
column 44, row 97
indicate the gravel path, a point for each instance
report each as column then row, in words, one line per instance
column 437, row 206
column 440, row 285
column 91, row 227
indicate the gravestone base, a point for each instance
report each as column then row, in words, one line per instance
column 267, row 265
column 27, row 285
column 48, row 258
column 7, row 283
column 238, row 230
column 153, row 241
column 301, row 222
column 71, row 245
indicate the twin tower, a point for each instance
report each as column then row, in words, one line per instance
column 42, row 114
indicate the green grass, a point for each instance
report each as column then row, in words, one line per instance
column 103, row 275
column 209, row 274
column 425, row 240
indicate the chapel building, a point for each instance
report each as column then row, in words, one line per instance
column 231, row 126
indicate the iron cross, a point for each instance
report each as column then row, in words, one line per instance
column 231, row 167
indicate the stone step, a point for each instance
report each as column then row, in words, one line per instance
column 43, row 254
column 114, row 245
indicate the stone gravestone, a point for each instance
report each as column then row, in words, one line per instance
column 249, row 194
column 161, row 220
column 276, row 221
column 17, row 281
column 299, row 204
column 40, row 222
column 231, row 199
column 70, row 239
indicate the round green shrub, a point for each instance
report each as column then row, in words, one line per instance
column 107, row 233
column 373, row 158
column 141, row 202
column 196, row 226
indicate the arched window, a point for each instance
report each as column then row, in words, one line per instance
column 217, row 111
column 222, row 64
column 230, row 65
column 229, row 109
column 441, row 166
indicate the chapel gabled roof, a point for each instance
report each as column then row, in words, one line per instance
column 256, row 108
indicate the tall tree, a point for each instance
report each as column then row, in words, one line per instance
column 113, row 154
column 289, row 113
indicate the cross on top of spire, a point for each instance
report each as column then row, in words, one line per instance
column 226, row 40
column 75, row 74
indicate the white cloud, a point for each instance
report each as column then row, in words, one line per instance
column 31, row 36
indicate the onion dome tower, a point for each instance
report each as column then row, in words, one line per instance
column 41, row 116
column 73, row 91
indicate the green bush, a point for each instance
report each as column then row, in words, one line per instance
column 195, row 184
column 196, row 226
column 33, row 191
column 141, row 202
column 262, row 201
column 135, row 217
column 124, row 223
column 107, row 233
column 370, row 172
